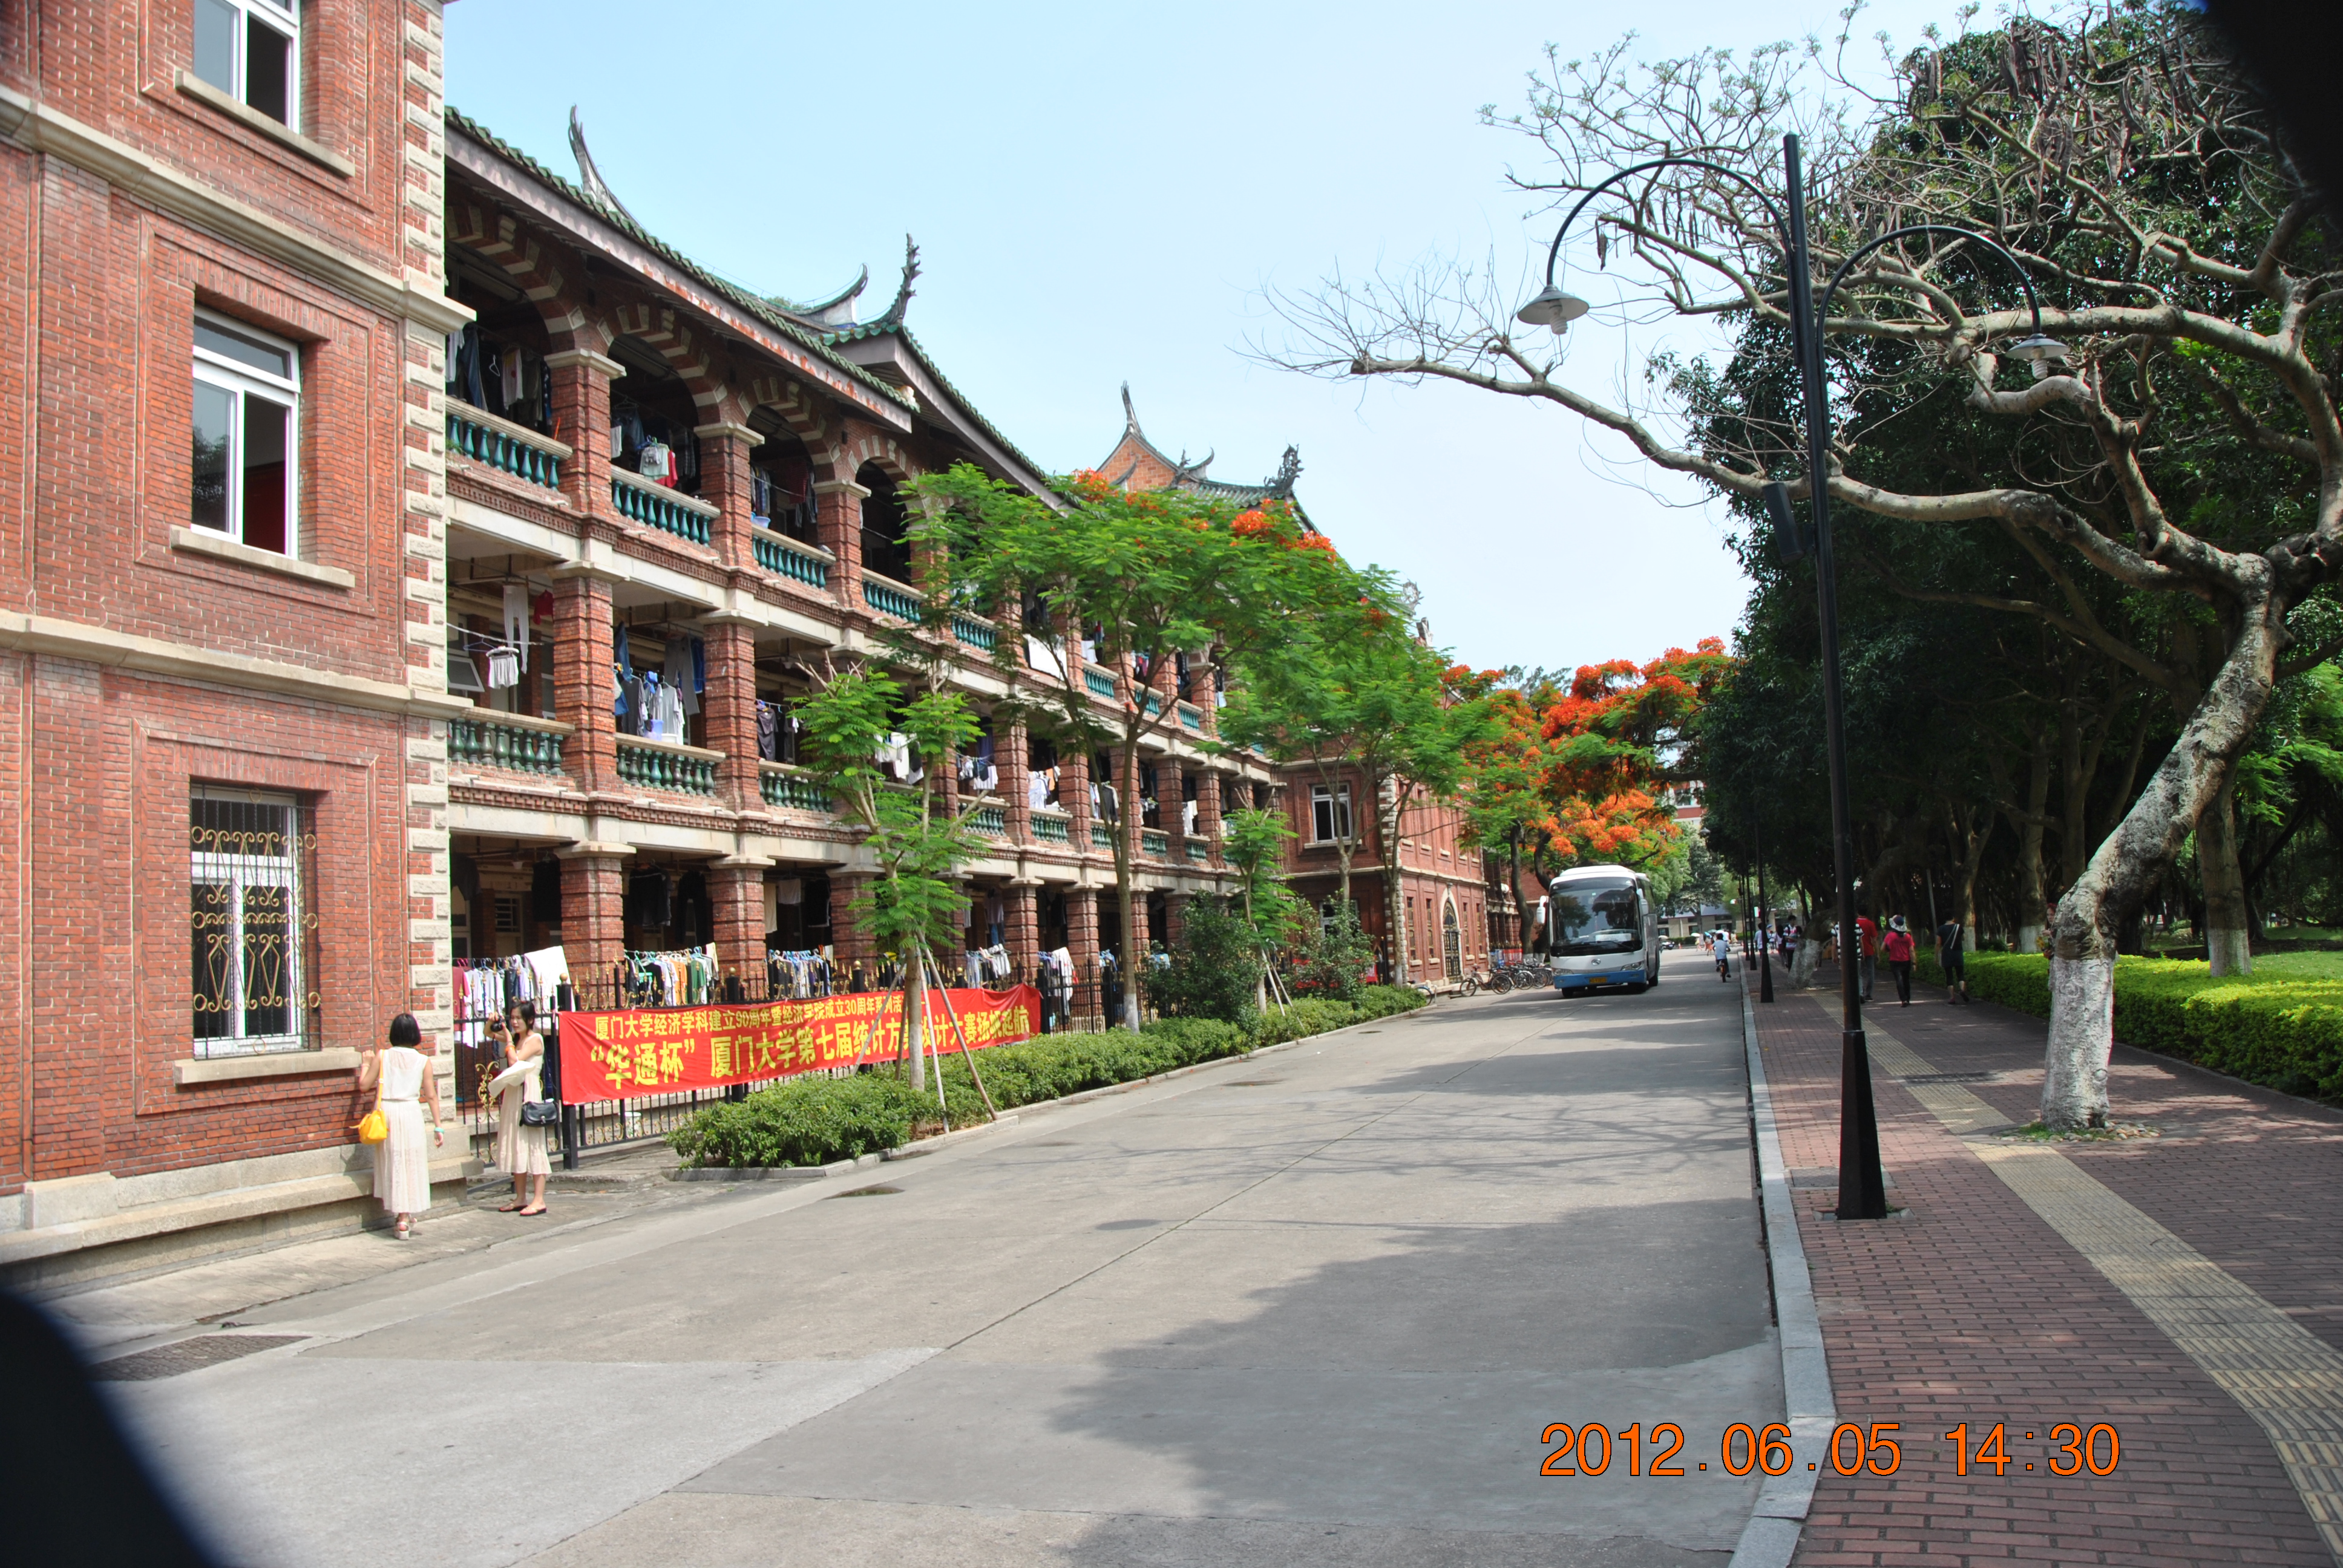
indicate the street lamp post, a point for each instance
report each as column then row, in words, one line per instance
column 1764, row 912
column 1862, row 1190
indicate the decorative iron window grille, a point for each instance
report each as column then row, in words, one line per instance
column 253, row 922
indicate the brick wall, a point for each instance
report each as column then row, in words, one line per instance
column 100, row 740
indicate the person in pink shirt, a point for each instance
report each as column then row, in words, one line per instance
column 1898, row 944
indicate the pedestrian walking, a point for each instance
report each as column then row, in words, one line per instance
column 1897, row 944
column 520, row 1148
column 401, row 1077
column 1953, row 961
column 1866, row 966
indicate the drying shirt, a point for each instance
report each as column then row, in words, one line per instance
column 769, row 732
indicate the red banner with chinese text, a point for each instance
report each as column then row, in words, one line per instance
column 620, row 1055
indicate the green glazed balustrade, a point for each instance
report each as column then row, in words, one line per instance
column 991, row 820
column 1155, row 844
column 1101, row 836
column 1154, row 704
column 975, row 633
column 1199, row 852
column 502, row 451
column 794, row 790
column 656, row 767
column 887, row 599
column 657, row 511
column 779, row 559
column 484, row 743
column 1050, row 830
column 1098, row 682
column 1191, row 719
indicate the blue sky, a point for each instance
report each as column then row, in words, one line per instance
column 1101, row 193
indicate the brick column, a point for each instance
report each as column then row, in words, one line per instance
column 1175, row 917
column 1082, row 944
column 1021, row 908
column 593, row 914
column 851, row 943
column 1009, row 757
column 1074, row 794
column 582, row 681
column 729, row 709
column 837, row 511
column 1170, row 781
column 581, row 417
column 736, row 897
column 1208, row 813
column 724, row 450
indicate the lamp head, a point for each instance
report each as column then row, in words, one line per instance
column 1553, row 308
column 2040, row 352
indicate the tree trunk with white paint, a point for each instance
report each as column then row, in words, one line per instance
column 2227, row 929
column 2196, row 770
column 915, row 1020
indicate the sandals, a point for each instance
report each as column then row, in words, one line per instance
column 403, row 1231
column 531, row 1213
column 511, row 1209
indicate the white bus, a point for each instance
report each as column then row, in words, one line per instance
column 1601, row 929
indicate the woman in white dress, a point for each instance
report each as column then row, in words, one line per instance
column 520, row 1151
column 402, row 1076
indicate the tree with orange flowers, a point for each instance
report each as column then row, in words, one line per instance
column 1581, row 773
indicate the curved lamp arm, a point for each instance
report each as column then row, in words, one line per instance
column 1822, row 311
column 1554, row 251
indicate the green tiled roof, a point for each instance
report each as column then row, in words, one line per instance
column 884, row 328
column 814, row 341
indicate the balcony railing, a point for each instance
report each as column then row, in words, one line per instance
column 1152, row 843
column 656, row 765
column 784, row 557
column 1191, row 719
column 783, row 786
column 991, row 820
column 1052, row 827
column 975, row 632
column 508, row 448
column 653, row 505
column 1200, row 852
column 1154, row 704
column 483, row 740
column 1101, row 683
column 889, row 596
column 1101, row 836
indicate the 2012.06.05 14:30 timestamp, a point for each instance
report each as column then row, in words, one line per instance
column 1876, row 1446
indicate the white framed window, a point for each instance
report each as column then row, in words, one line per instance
column 251, row 50
column 251, row 924
column 247, row 431
column 1329, row 813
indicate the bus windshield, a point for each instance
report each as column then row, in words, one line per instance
column 1595, row 918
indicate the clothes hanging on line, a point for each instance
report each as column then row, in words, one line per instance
column 682, row 977
column 795, row 974
column 685, row 670
column 517, row 620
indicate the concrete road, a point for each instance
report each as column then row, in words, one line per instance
column 1316, row 1307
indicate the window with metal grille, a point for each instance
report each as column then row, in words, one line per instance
column 253, row 922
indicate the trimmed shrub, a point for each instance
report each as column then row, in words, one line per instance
column 804, row 1121
column 2275, row 1028
column 814, row 1121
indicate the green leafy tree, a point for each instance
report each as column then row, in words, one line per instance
column 916, row 905
column 1159, row 574
column 1215, row 969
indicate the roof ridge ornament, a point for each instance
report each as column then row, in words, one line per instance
column 894, row 316
column 1288, row 469
column 591, row 177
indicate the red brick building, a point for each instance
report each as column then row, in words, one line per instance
column 1432, row 921
column 221, row 669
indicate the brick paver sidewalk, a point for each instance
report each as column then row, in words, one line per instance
column 1969, row 1308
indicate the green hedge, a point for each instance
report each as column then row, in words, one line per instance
column 2274, row 1028
column 814, row 1121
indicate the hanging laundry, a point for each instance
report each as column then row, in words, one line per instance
column 504, row 668
column 676, row 673
column 512, row 381
column 769, row 732
column 517, row 621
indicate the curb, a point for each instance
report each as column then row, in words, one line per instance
column 1771, row 1537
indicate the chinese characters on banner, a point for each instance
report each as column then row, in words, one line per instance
column 620, row 1055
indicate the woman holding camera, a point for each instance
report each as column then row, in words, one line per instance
column 520, row 1148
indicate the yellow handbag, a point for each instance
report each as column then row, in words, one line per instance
column 372, row 1127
